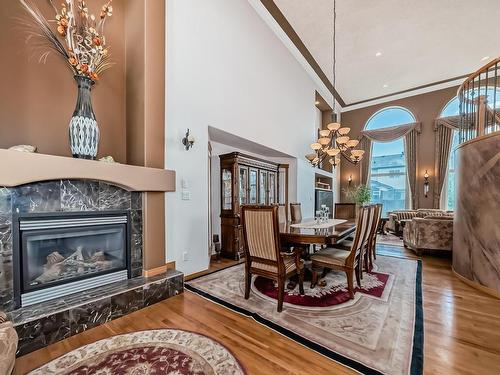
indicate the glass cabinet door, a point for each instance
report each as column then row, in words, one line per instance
column 272, row 188
column 263, row 187
column 243, row 176
column 227, row 189
column 252, row 193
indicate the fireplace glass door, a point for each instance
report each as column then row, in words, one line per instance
column 55, row 256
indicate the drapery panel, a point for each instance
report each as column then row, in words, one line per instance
column 407, row 131
column 411, row 144
column 366, row 145
column 443, row 128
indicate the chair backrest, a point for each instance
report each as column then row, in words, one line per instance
column 345, row 211
column 282, row 214
column 261, row 233
column 295, row 212
column 377, row 213
column 362, row 230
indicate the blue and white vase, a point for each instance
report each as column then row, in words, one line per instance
column 83, row 128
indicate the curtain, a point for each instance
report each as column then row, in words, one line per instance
column 390, row 134
column 409, row 132
column 411, row 165
column 444, row 128
column 366, row 145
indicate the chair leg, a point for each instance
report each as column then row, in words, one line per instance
column 248, row 281
column 281, row 293
column 314, row 278
column 301, row 281
column 350, row 282
column 358, row 277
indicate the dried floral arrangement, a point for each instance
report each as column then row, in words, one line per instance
column 78, row 35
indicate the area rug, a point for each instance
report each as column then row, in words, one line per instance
column 380, row 331
column 162, row 351
column 389, row 239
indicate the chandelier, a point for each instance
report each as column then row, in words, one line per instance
column 334, row 142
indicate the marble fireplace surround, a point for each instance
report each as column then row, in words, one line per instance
column 33, row 183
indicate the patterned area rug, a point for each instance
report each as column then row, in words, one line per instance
column 162, row 351
column 380, row 331
column 389, row 239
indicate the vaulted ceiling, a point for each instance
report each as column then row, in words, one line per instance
column 389, row 46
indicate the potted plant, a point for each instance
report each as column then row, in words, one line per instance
column 360, row 195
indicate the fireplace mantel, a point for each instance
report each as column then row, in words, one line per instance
column 19, row 168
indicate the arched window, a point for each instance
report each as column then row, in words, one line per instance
column 388, row 182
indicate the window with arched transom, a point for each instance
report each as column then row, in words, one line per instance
column 388, row 180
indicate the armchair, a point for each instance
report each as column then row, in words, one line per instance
column 8, row 345
column 429, row 233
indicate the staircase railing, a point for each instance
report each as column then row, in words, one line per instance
column 479, row 97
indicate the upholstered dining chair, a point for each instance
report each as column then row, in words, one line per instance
column 345, row 211
column 348, row 261
column 282, row 214
column 371, row 255
column 295, row 212
column 263, row 254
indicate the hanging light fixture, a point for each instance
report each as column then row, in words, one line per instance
column 333, row 142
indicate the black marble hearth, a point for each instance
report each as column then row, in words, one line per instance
column 46, row 323
column 63, row 196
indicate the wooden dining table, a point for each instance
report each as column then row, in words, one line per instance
column 326, row 235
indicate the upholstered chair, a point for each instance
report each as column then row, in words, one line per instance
column 345, row 211
column 263, row 253
column 371, row 255
column 295, row 212
column 429, row 233
column 8, row 345
column 282, row 214
column 348, row 261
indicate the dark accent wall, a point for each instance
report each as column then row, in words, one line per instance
column 426, row 108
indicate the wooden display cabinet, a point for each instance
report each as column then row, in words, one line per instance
column 247, row 180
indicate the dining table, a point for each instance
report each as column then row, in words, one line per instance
column 310, row 231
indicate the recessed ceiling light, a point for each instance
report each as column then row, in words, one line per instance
column 378, row 54
column 385, row 85
column 485, row 58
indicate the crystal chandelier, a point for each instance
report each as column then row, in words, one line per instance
column 333, row 142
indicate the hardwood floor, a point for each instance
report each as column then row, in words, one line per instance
column 462, row 329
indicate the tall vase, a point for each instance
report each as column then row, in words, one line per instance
column 83, row 128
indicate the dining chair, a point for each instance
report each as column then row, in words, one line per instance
column 263, row 253
column 348, row 261
column 345, row 211
column 282, row 214
column 295, row 212
column 370, row 255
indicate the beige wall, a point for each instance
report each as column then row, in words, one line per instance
column 426, row 108
column 37, row 100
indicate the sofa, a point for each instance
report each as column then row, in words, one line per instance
column 429, row 233
column 8, row 345
column 398, row 219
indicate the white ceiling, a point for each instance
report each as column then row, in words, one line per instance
column 421, row 41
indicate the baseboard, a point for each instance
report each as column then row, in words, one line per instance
column 475, row 285
column 158, row 270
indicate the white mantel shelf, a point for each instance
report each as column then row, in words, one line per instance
column 19, row 168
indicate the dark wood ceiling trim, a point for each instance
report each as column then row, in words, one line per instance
column 279, row 17
column 407, row 90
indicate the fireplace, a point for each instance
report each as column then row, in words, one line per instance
column 62, row 253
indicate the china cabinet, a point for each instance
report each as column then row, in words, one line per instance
column 247, row 180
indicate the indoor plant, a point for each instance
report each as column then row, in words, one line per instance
column 360, row 195
column 79, row 39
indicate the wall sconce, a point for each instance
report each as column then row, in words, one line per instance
column 349, row 180
column 188, row 141
column 426, row 184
